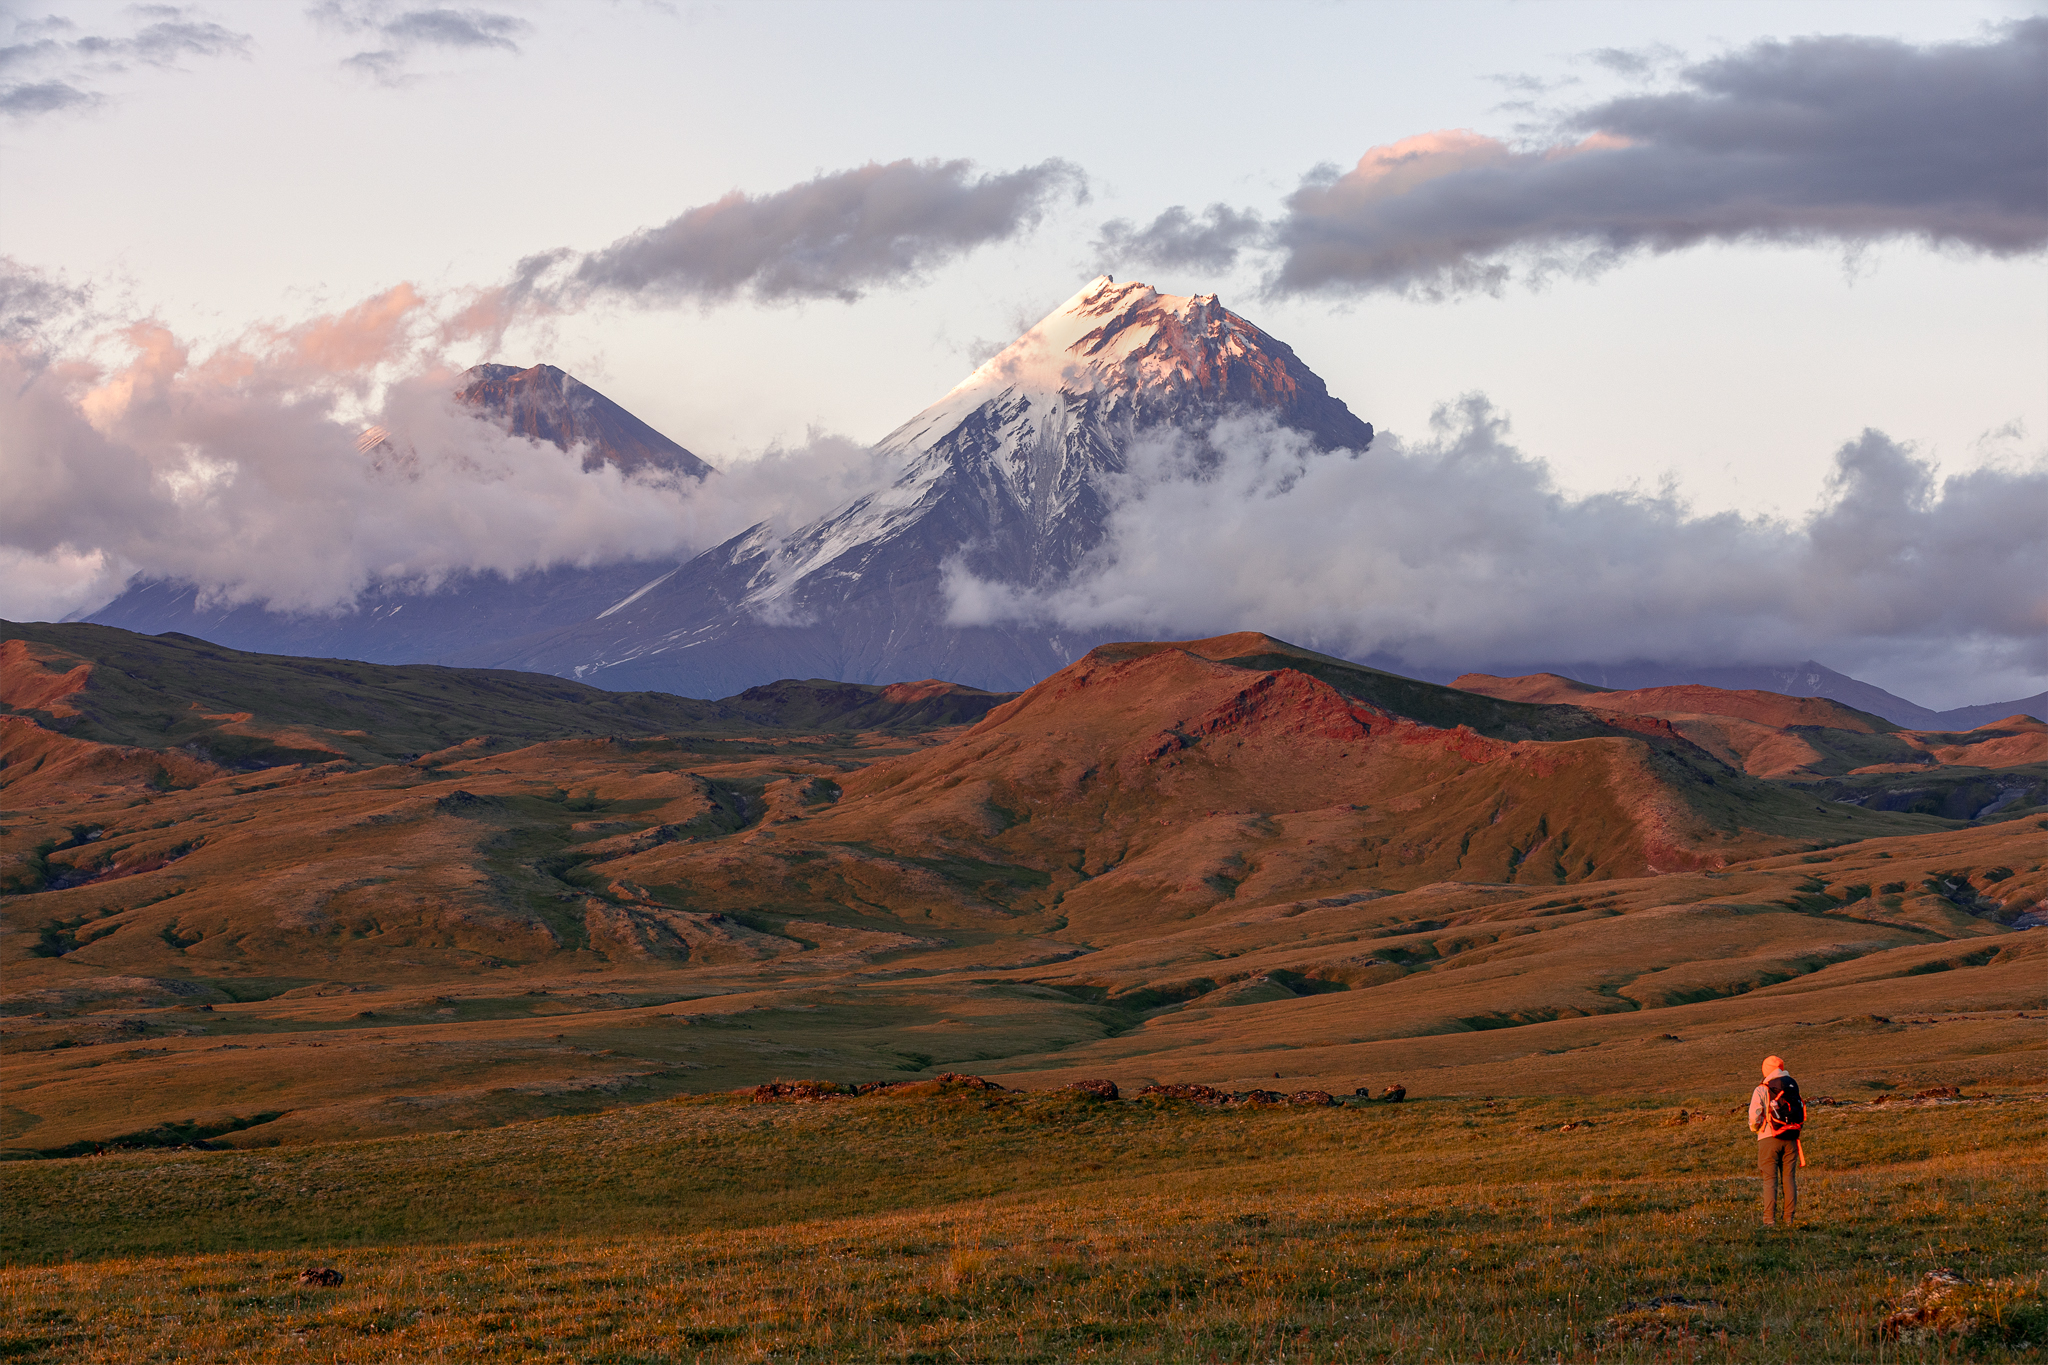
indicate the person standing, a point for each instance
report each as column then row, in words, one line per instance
column 1776, row 1114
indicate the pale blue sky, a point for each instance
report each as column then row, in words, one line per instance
column 273, row 185
column 235, row 166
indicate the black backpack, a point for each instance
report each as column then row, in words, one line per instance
column 1783, row 1107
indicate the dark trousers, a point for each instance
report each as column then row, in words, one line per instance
column 1777, row 1158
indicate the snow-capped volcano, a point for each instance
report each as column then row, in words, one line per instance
column 1002, row 475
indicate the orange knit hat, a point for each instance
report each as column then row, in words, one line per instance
column 1773, row 1064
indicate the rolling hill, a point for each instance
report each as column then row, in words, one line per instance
column 1211, row 860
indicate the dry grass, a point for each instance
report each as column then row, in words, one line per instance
column 1032, row 1228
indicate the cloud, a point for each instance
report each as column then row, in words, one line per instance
column 48, row 66
column 1460, row 552
column 239, row 469
column 829, row 237
column 42, row 97
column 1829, row 139
column 1178, row 240
column 402, row 34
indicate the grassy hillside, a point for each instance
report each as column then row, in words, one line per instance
column 965, row 1225
column 1164, row 866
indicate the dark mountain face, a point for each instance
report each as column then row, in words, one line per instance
column 546, row 404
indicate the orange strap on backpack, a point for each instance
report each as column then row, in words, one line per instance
column 1800, row 1143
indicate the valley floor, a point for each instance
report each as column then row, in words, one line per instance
column 950, row 1224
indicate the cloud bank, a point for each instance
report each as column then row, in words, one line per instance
column 402, row 34
column 1179, row 240
column 1460, row 552
column 49, row 65
column 828, row 238
column 1845, row 140
column 240, row 469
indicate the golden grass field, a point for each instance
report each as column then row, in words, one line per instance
column 967, row 1226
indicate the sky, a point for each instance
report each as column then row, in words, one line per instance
column 1557, row 207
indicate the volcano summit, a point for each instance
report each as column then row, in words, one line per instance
column 1003, row 478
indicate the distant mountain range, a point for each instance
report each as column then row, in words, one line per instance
column 1003, row 476
column 1808, row 679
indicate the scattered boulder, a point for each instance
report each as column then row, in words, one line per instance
column 800, row 1092
column 1685, row 1116
column 1940, row 1092
column 1947, row 1305
column 1937, row 1306
column 960, row 1080
column 1101, row 1090
column 1260, row 1097
column 1312, row 1099
column 1364, row 1092
column 874, row 1087
column 1394, row 1094
column 1668, row 1318
column 320, row 1275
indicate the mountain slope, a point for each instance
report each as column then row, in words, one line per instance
column 1769, row 735
column 1004, row 477
column 1083, row 879
column 1149, row 785
column 1808, row 679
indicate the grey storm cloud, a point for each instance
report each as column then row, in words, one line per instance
column 1827, row 139
column 50, row 66
column 1460, row 551
column 829, row 237
column 41, row 97
column 402, row 33
column 1179, row 240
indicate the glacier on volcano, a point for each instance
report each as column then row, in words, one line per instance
column 1002, row 478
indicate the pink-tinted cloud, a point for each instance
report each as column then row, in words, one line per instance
column 1841, row 139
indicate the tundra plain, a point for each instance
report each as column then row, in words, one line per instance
column 456, row 976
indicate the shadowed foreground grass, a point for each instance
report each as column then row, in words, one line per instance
column 959, row 1227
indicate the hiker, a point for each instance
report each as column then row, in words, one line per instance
column 1775, row 1115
